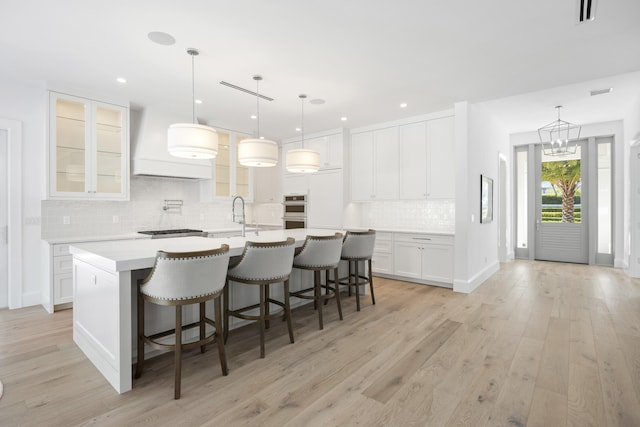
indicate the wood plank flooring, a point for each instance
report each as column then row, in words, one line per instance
column 539, row 344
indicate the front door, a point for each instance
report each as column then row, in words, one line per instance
column 561, row 229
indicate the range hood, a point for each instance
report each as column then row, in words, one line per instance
column 149, row 148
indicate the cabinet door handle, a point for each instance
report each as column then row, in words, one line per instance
column 422, row 238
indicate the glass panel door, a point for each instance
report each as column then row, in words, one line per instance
column 108, row 150
column 223, row 166
column 242, row 173
column 71, row 145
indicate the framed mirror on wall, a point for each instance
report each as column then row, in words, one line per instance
column 486, row 199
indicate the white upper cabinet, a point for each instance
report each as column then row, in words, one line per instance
column 229, row 177
column 404, row 161
column 427, row 161
column 267, row 184
column 88, row 149
column 413, row 161
column 374, row 165
column 441, row 154
column 362, row 166
column 330, row 149
column 329, row 144
column 325, row 199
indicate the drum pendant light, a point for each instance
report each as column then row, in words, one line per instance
column 257, row 152
column 303, row 160
column 191, row 140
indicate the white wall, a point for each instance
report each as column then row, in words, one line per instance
column 25, row 102
column 480, row 139
column 632, row 186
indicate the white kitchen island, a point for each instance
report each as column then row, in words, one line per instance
column 105, row 275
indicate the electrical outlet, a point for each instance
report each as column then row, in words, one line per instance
column 116, row 219
column 201, row 217
column 66, row 220
column 32, row 220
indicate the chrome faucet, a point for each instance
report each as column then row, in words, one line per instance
column 233, row 213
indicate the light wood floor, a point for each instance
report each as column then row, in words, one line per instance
column 539, row 344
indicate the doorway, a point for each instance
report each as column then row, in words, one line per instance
column 563, row 205
column 560, row 192
column 4, row 220
column 10, row 213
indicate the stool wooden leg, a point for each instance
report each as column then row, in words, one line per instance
column 218, row 320
column 225, row 328
column 267, row 322
column 357, row 279
column 350, row 275
column 178, row 352
column 326, row 286
column 287, row 309
column 318, row 296
column 140, row 363
column 373, row 298
column 261, row 321
column 203, row 348
column 337, row 290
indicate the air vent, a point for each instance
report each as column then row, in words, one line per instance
column 600, row 91
column 241, row 89
column 586, row 10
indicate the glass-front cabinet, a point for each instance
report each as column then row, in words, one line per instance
column 88, row 148
column 229, row 178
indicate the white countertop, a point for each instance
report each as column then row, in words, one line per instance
column 126, row 255
column 397, row 230
column 82, row 239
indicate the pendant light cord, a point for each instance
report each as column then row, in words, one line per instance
column 193, row 87
column 257, row 79
column 302, row 98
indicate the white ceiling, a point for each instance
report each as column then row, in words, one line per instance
column 364, row 57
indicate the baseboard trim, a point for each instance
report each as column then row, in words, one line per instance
column 468, row 286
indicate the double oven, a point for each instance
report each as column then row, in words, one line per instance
column 294, row 211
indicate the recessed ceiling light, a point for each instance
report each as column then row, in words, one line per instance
column 121, row 80
column 403, row 105
column 198, row 101
column 298, row 129
column 262, row 137
column 253, row 116
column 161, row 38
column 344, row 119
column 317, row 101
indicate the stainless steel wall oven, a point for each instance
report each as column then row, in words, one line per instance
column 294, row 211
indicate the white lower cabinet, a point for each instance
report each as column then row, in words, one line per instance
column 382, row 260
column 425, row 258
column 57, row 290
column 62, row 266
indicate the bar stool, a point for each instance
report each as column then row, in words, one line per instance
column 320, row 253
column 184, row 278
column 262, row 264
column 358, row 246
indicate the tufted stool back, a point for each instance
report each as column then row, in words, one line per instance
column 358, row 245
column 187, row 275
column 270, row 261
column 319, row 252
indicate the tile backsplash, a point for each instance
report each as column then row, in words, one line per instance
column 142, row 212
column 429, row 215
